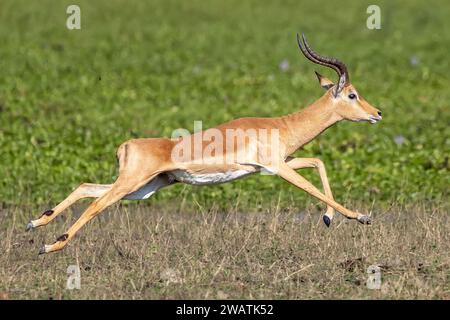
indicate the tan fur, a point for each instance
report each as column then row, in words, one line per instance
column 142, row 160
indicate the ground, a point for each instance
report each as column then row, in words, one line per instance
column 148, row 252
column 69, row 98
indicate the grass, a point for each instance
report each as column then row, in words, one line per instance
column 148, row 252
column 69, row 98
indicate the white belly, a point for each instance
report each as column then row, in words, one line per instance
column 208, row 178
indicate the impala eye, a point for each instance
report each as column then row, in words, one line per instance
column 352, row 96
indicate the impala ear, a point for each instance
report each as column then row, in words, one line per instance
column 324, row 82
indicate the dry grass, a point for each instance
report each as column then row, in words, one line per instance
column 144, row 252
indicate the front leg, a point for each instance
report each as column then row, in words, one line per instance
column 290, row 175
column 299, row 163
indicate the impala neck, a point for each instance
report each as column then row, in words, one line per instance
column 304, row 125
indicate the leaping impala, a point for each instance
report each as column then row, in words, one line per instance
column 147, row 165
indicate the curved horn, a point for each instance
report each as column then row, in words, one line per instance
column 332, row 63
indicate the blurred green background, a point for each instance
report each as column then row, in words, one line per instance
column 68, row 98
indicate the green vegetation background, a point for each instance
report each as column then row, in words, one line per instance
column 145, row 68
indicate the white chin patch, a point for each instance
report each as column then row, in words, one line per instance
column 373, row 119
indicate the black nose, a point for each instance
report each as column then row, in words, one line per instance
column 379, row 113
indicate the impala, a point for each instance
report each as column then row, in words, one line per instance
column 147, row 165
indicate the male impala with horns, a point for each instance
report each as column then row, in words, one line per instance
column 147, row 165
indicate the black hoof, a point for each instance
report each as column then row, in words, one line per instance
column 327, row 220
column 42, row 250
column 365, row 220
column 29, row 226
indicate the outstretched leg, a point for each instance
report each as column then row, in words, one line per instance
column 124, row 185
column 299, row 163
column 290, row 175
column 85, row 190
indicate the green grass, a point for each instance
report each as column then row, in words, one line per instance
column 143, row 69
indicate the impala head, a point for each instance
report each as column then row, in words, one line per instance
column 344, row 98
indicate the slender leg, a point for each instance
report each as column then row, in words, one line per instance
column 123, row 186
column 299, row 163
column 85, row 190
column 89, row 190
column 290, row 175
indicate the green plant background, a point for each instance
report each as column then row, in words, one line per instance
column 142, row 69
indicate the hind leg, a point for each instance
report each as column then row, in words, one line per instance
column 85, row 190
column 90, row 190
column 140, row 161
column 124, row 185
